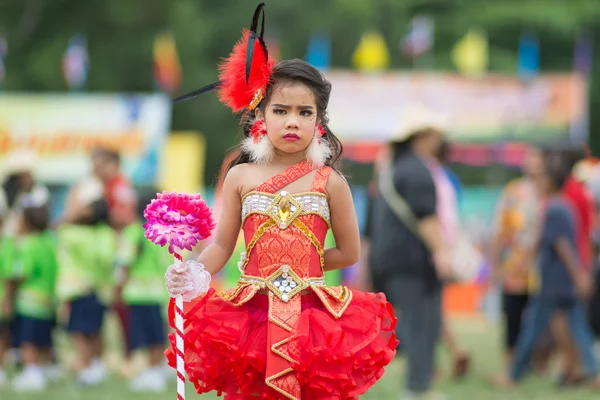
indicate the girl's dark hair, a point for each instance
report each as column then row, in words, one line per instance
column 36, row 218
column 444, row 152
column 98, row 214
column 145, row 194
column 571, row 153
column 287, row 73
column 400, row 148
column 11, row 188
column 107, row 154
column 558, row 167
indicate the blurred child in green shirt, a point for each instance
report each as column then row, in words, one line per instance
column 6, row 256
column 141, row 288
column 86, row 247
column 30, row 294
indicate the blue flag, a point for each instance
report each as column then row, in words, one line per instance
column 319, row 51
column 529, row 58
column 75, row 62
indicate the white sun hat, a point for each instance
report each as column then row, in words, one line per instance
column 416, row 118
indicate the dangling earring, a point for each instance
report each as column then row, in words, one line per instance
column 318, row 150
column 257, row 145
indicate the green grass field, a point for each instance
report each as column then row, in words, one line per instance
column 480, row 338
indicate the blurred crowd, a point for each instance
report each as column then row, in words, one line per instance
column 65, row 275
column 541, row 248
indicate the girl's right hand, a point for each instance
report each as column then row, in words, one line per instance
column 188, row 279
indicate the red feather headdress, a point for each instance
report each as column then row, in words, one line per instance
column 244, row 75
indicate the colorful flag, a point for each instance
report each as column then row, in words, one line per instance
column 583, row 54
column 419, row 39
column 167, row 70
column 319, row 51
column 75, row 62
column 371, row 55
column 528, row 56
column 470, row 54
column 582, row 64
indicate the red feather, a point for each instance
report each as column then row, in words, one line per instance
column 258, row 129
column 233, row 91
column 321, row 129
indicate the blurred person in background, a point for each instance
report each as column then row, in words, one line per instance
column 364, row 279
column 448, row 190
column 118, row 190
column 403, row 267
column 121, row 198
column 17, row 169
column 564, row 283
column 141, row 288
column 444, row 160
column 30, row 294
column 86, row 248
column 516, row 230
column 582, row 206
column 18, row 181
column 6, row 256
column 592, row 181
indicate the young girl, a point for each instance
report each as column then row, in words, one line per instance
column 281, row 333
column 140, row 266
column 6, row 260
column 30, row 294
column 86, row 244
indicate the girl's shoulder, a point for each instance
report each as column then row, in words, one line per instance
column 240, row 171
column 336, row 182
column 246, row 177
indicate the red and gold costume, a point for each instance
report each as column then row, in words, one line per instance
column 281, row 333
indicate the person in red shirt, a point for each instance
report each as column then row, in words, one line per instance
column 119, row 192
column 122, row 200
column 582, row 204
column 583, row 208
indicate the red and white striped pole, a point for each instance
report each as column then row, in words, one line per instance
column 180, row 350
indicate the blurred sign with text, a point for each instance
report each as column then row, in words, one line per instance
column 62, row 129
column 491, row 108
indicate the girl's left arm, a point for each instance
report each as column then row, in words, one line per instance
column 344, row 225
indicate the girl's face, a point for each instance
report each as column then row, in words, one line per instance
column 290, row 118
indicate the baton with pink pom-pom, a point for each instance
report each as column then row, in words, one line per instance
column 180, row 220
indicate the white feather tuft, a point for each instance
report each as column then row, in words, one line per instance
column 261, row 152
column 317, row 153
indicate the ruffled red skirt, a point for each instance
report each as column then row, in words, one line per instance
column 226, row 347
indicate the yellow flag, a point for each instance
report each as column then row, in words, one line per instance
column 372, row 53
column 188, row 147
column 470, row 54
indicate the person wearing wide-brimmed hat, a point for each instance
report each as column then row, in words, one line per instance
column 409, row 267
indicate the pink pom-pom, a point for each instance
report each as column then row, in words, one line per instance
column 179, row 219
